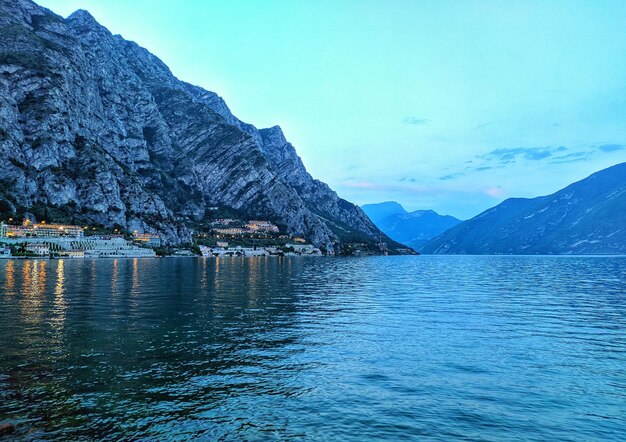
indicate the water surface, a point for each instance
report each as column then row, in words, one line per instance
column 396, row 348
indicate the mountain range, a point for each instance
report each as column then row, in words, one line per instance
column 414, row 229
column 97, row 129
column 587, row 217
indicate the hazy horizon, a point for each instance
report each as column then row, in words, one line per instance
column 449, row 106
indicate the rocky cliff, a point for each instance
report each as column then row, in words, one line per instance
column 587, row 217
column 98, row 127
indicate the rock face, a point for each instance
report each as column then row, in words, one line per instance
column 587, row 217
column 96, row 126
column 414, row 229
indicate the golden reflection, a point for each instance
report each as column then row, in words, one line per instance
column 33, row 283
column 203, row 280
column 60, row 303
column 59, row 287
column 26, row 276
column 115, row 276
column 135, row 276
column 9, row 281
column 93, row 272
column 253, row 271
column 41, row 278
column 217, row 272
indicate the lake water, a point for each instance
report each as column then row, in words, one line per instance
column 396, row 348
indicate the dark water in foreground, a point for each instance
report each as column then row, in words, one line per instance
column 480, row 348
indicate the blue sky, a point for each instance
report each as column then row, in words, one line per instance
column 447, row 105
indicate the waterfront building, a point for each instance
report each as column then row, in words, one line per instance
column 39, row 249
column 231, row 231
column 183, row 252
column 5, row 252
column 73, row 253
column 3, row 230
column 148, row 239
column 223, row 222
column 42, row 230
column 249, row 251
column 305, row 249
column 262, row 226
column 273, row 250
column 222, row 244
column 205, row 251
column 111, row 247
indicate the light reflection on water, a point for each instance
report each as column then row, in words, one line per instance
column 446, row 348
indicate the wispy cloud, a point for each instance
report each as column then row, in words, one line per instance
column 451, row 176
column 555, row 154
column 571, row 157
column 611, row 147
column 490, row 123
column 510, row 155
column 415, row 121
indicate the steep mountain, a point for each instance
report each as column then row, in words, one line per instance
column 97, row 127
column 379, row 211
column 414, row 229
column 587, row 217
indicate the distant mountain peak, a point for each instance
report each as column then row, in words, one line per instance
column 379, row 211
column 411, row 228
column 83, row 18
column 274, row 134
column 82, row 15
column 586, row 217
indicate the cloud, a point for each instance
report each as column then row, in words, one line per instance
column 571, row 157
column 491, row 123
column 611, row 147
column 415, row 121
column 506, row 156
column 451, row 176
column 555, row 155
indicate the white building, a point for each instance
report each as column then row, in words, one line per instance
column 38, row 249
column 148, row 239
column 262, row 226
column 73, row 253
column 111, row 247
column 42, row 230
column 305, row 249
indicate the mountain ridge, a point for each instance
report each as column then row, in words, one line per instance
column 585, row 217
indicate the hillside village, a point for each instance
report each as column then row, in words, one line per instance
column 224, row 237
